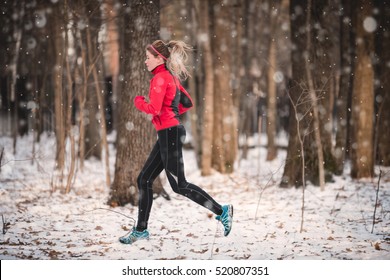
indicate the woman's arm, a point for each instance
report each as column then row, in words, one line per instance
column 186, row 102
column 158, row 87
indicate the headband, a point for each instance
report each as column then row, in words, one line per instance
column 158, row 52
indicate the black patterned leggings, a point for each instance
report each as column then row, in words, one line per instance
column 167, row 154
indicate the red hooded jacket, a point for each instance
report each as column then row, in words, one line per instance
column 167, row 99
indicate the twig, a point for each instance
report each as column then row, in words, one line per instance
column 261, row 194
column 212, row 246
column 1, row 156
column 117, row 212
column 267, row 185
column 5, row 224
column 301, row 139
column 376, row 200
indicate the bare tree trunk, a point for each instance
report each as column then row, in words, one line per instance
column 82, row 98
column 271, row 84
column 1, row 157
column 292, row 175
column 202, row 8
column 193, row 84
column 18, row 26
column 101, row 106
column 250, row 121
column 313, row 98
column 93, row 140
column 58, row 25
column 363, row 97
column 69, row 97
column 326, row 58
column 225, row 115
column 383, row 94
column 244, row 125
column 318, row 43
column 112, row 56
column 133, row 126
column 342, row 145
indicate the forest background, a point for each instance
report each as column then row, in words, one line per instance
column 314, row 72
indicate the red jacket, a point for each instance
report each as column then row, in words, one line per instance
column 167, row 99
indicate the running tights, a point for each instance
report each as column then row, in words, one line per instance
column 167, row 154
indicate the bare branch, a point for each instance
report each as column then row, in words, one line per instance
column 376, row 200
column 6, row 224
column 267, row 185
column 1, row 157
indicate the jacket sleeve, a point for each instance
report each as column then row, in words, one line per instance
column 186, row 102
column 157, row 90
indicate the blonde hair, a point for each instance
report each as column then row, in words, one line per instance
column 175, row 54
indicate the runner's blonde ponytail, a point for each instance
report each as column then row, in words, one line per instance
column 176, row 63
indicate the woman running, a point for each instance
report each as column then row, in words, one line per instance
column 167, row 101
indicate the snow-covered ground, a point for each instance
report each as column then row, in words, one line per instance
column 41, row 222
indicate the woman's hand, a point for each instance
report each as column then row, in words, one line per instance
column 139, row 101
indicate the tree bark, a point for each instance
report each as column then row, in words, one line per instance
column 136, row 135
column 225, row 113
column 58, row 88
column 313, row 100
column 292, row 175
column 208, row 120
column 69, row 100
column 93, row 140
column 383, row 90
column 343, row 116
column 271, row 84
column 363, row 97
column 326, row 56
column 102, row 128
column 312, row 93
column 14, row 100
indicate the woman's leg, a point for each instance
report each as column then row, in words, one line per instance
column 171, row 143
column 152, row 168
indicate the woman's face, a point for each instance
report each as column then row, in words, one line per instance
column 152, row 61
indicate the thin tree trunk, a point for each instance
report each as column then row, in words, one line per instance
column 244, row 125
column 59, row 98
column 82, row 98
column 208, row 125
column 193, row 85
column 301, row 139
column 271, row 99
column 313, row 98
column 342, row 146
column 112, row 57
column 14, row 72
column 69, row 95
column 101, row 106
column 91, row 14
column 274, row 10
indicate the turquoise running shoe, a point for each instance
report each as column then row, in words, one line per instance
column 133, row 236
column 226, row 218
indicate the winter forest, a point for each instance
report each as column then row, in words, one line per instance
column 291, row 124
